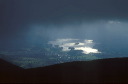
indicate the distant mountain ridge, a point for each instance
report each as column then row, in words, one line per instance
column 113, row 70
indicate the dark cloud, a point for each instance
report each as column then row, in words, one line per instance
column 23, row 11
column 17, row 15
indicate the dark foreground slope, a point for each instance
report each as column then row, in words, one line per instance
column 9, row 72
column 113, row 70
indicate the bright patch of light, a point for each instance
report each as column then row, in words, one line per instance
column 85, row 45
column 81, row 44
column 89, row 41
column 87, row 50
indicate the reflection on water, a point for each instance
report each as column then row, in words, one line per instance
column 85, row 45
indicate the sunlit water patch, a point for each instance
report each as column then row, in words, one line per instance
column 85, row 45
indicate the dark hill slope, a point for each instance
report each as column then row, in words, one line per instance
column 6, row 66
column 104, row 70
column 112, row 70
column 10, row 72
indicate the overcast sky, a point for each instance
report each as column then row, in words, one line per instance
column 16, row 16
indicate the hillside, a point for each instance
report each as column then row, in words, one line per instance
column 114, row 70
column 9, row 72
